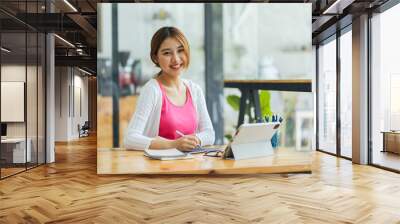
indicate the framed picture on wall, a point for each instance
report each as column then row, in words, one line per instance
column 12, row 101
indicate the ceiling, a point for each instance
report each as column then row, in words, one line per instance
column 77, row 25
column 76, row 22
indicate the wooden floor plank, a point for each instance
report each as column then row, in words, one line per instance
column 70, row 191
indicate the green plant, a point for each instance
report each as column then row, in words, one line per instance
column 233, row 101
column 229, row 137
column 265, row 103
column 265, row 107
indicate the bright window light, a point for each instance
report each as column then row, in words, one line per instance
column 65, row 41
column 70, row 5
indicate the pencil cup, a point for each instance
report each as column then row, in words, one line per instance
column 275, row 137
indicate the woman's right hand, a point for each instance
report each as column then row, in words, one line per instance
column 186, row 143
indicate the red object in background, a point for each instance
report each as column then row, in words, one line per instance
column 125, row 79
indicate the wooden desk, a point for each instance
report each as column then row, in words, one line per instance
column 391, row 141
column 13, row 150
column 121, row 161
column 249, row 90
column 293, row 85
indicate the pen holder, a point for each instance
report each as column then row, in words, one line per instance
column 275, row 137
column 274, row 140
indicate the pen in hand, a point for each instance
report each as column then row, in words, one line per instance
column 181, row 135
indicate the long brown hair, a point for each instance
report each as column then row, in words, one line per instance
column 164, row 33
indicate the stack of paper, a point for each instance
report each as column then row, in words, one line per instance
column 166, row 154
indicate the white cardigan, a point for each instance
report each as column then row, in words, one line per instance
column 144, row 124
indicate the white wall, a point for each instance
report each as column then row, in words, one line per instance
column 80, row 96
column 33, row 126
column 71, row 93
column 61, row 103
column 14, row 73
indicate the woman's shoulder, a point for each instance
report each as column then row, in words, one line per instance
column 192, row 85
column 151, row 84
column 150, row 87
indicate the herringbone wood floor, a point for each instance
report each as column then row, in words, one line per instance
column 69, row 191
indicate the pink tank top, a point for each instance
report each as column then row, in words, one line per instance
column 177, row 118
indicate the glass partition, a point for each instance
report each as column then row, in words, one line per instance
column 13, row 89
column 346, row 94
column 385, row 89
column 22, row 90
column 31, row 97
column 327, row 96
column 41, row 109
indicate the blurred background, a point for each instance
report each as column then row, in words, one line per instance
column 258, row 42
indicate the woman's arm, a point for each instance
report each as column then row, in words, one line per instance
column 184, row 143
column 161, row 143
column 206, row 133
column 134, row 136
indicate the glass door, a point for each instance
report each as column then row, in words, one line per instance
column 327, row 96
column 346, row 93
column 13, row 94
column 385, row 89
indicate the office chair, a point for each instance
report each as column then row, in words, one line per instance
column 84, row 130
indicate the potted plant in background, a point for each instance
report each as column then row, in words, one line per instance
column 265, row 106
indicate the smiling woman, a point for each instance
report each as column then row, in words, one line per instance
column 170, row 49
column 169, row 105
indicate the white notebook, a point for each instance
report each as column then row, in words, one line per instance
column 166, row 154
